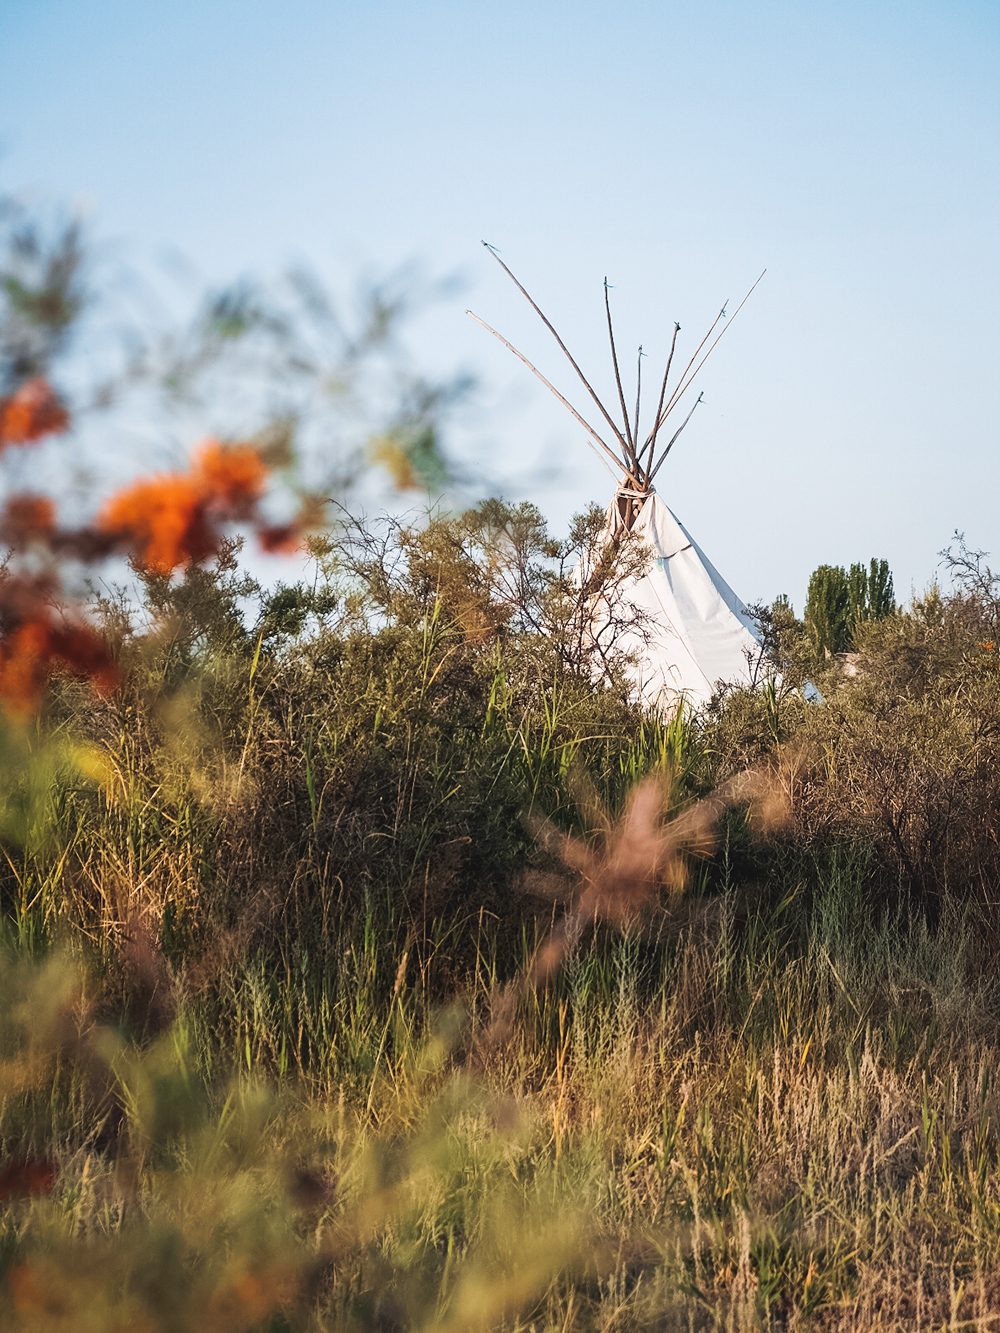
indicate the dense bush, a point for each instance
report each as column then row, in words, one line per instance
column 900, row 758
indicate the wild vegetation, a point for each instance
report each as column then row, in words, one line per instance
column 370, row 961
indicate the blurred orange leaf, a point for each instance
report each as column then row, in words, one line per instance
column 33, row 411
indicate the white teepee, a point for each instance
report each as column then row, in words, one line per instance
column 691, row 631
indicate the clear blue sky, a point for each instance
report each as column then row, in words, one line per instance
column 849, row 148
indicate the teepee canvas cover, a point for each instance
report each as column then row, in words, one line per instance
column 691, row 631
column 695, row 630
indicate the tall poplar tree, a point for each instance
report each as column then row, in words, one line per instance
column 839, row 600
column 828, row 610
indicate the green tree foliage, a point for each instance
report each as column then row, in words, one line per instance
column 840, row 600
column 870, row 591
column 828, row 610
column 41, row 292
column 491, row 575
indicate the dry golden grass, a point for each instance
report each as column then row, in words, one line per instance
column 705, row 1133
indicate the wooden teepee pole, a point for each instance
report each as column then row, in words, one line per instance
column 651, row 442
column 552, row 389
column 626, row 452
column 640, row 465
column 618, row 378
